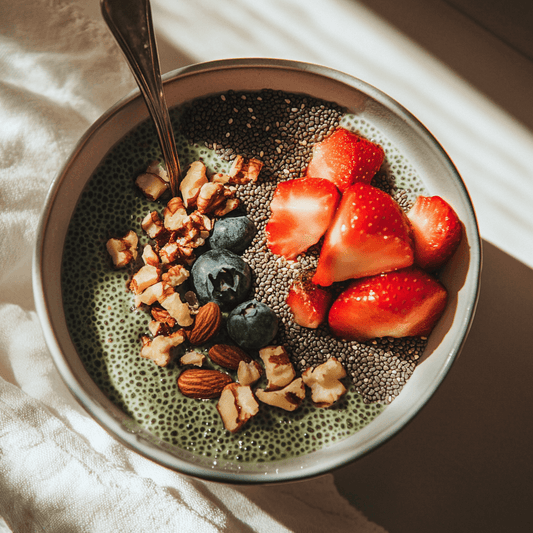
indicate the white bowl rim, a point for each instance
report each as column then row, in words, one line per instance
column 131, row 440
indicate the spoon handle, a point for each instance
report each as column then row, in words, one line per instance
column 130, row 22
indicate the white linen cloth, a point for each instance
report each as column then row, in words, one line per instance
column 59, row 471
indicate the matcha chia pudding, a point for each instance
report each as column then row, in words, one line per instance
column 221, row 320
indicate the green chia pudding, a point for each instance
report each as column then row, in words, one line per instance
column 279, row 129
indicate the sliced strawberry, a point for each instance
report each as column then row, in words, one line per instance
column 437, row 231
column 404, row 303
column 370, row 234
column 308, row 302
column 345, row 158
column 302, row 210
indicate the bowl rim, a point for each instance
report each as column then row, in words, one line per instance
column 99, row 412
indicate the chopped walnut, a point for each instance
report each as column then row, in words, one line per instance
column 244, row 170
column 227, row 207
column 216, row 199
column 196, row 230
column 124, row 250
column 163, row 316
column 249, row 373
column 158, row 349
column 150, row 295
column 171, row 301
column 153, row 226
column 236, row 406
column 174, row 214
column 288, row 398
column 192, row 233
column 201, row 222
column 145, row 277
column 175, row 275
column 151, row 185
column 172, row 252
column 278, row 367
column 131, row 241
column 150, row 257
column 193, row 358
column 192, row 182
column 210, row 196
column 324, row 382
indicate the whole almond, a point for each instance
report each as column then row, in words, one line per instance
column 228, row 356
column 202, row 383
column 206, row 324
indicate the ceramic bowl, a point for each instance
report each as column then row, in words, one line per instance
column 412, row 139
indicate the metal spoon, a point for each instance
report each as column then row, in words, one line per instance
column 130, row 22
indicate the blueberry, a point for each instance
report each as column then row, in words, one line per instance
column 221, row 276
column 233, row 233
column 252, row 325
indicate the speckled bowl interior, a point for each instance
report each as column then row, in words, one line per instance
column 461, row 275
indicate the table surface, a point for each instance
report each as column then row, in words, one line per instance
column 464, row 463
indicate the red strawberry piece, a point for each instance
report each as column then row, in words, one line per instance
column 370, row 234
column 308, row 302
column 302, row 210
column 437, row 231
column 404, row 303
column 345, row 158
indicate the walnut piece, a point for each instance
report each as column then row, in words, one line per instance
column 174, row 214
column 150, row 257
column 236, row 406
column 158, row 349
column 210, row 196
column 145, row 277
column 216, row 199
column 123, row 250
column 229, row 205
column 244, row 170
column 288, row 398
column 162, row 315
column 153, row 226
column 278, row 367
column 194, row 230
column 249, row 373
column 172, row 252
column 192, row 182
column 199, row 227
column 150, row 295
column 151, row 185
column 193, row 358
column 324, row 382
column 175, row 275
column 192, row 300
column 178, row 310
